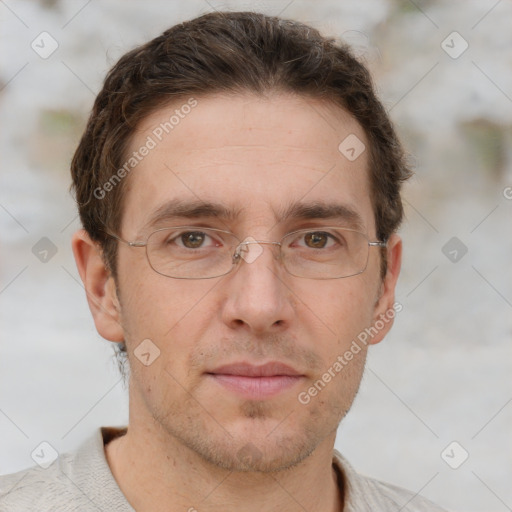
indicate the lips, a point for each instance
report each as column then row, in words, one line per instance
column 256, row 382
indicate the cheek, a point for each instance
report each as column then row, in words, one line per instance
column 160, row 316
column 174, row 314
column 152, row 303
column 343, row 307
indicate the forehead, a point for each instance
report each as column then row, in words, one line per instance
column 255, row 156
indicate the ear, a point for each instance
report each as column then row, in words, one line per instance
column 386, row 307
column 99, row 286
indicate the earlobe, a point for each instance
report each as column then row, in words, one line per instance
column 99, row 287
column 386, row 306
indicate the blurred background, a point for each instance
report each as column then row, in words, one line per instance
column 434, row 413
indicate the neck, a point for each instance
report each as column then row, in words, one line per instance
column 157, row 473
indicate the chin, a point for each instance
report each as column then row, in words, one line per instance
column 262, row 445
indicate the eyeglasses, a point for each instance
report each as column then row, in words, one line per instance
column 192, row 252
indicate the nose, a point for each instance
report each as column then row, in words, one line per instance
column 258, row 299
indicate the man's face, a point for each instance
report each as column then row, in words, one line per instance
column 255, row 157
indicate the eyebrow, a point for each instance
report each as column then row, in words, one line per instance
column 191, row 209
column 198, row 209
column 336, row 212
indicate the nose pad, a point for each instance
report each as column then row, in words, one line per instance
column 250, row 250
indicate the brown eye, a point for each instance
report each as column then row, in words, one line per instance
column 193, row 239
column 316, row 240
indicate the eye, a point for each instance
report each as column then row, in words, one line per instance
column 192, row 239
column 318, row 240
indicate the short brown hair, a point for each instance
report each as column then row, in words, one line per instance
column 230, row 52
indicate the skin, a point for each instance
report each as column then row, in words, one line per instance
column 185, row 432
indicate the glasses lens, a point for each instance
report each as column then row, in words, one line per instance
column 191, row 253
column 325, row 253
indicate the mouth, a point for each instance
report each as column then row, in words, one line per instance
column 256, row 382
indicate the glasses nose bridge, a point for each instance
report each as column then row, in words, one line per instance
column 240, row 248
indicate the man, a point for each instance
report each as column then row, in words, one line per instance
column 239, row 187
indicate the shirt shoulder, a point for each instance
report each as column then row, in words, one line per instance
column 36, row 488
column 364, row 494
column 75, row 481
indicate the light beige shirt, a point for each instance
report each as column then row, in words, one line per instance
column 82, row 481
